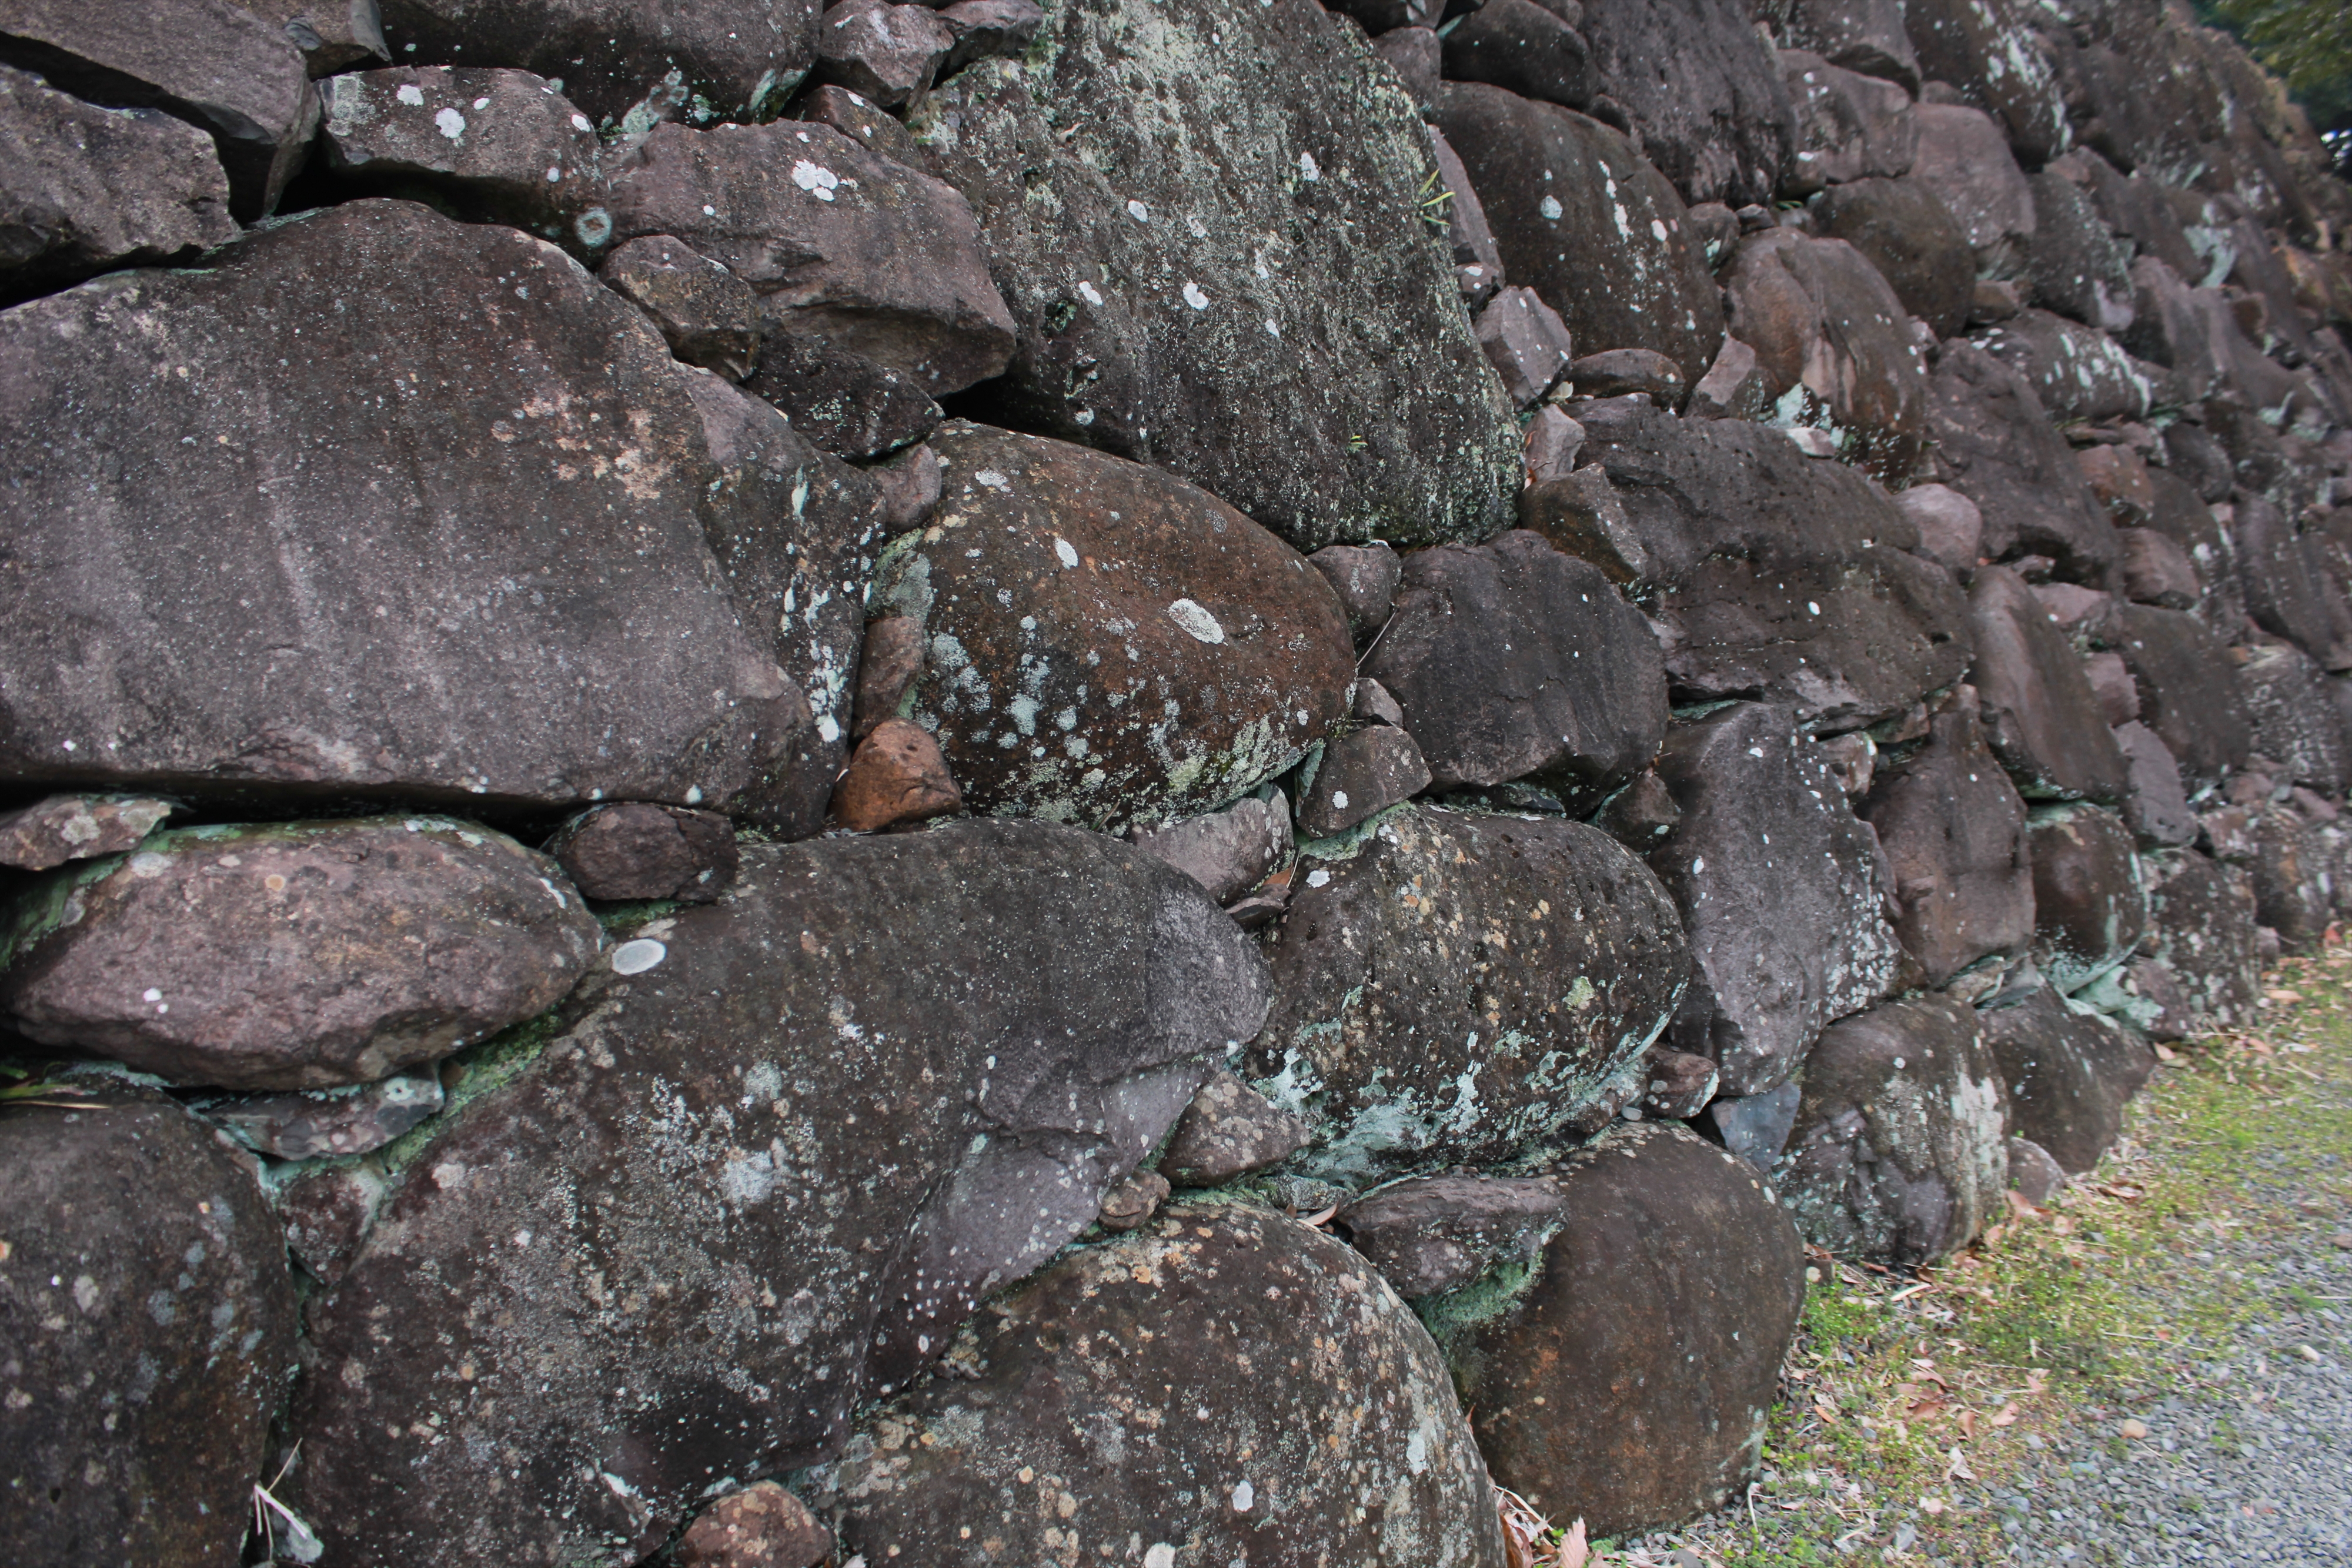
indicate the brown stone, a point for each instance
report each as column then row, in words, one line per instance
column 1229, row 1130
column 886, row 667
column 708, row 316
column 1362, row 774
column 635, row 849
column 75, row 827
column 1132, row 1200
column 1679, row 1085
column 897, row 777
column 762, row 1526
column 1954, row 833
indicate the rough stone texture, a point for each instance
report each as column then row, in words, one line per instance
column 1781, row 888
column 1628, row 1380
column 1734, row 386
column 1486, row 650
column 1132, row 1200
column 2154, row 1002
column 2033, row 1174
column 2078, row 373
column 1108, row 644
column 217, row 66
column 1755, row 1128
column 150, row 1324
column 1428, row 1234
column 762, row 1526
column 1904, row 230
column 1524, row 47
column 1525, row 341
column 1966, row 162
column 560, row 637
column 2154, row 569
column 2285, row 581
column 1988, row 50
column 2294, row 717
column 983, row 28
column 1170, row 259
column 1365, row 579
column 724, row 59
column 708, row 316
column 1679, row 1085
column 2079, row 267
column 1900, row 1149
column 1995, row 446
column 2294, row 877
column 631, row 850
column 888, row 663
column 1618, row 284
column 1953, row 830
column 841, row 244
column 2067, row 1076
column 486, row 141
column 1228, row 851
column 333, row 35
column 1951, row 527
column 1083, row 1390
column 1229, row 1130
column 2203, row 918
column 2187, row 688
column 74, row 828
column 1703, row 91
column 2043, row 719
column 1848, row 126
column 85, row 189
column 301, row 1126
column 1626, row 372
column 2155, row 803
column 842, row 402
column 299, row 957
column 889, row 1073
column 1405, row 1055
column 1363, row 773
column 897, row 777
column 2090, row 904
column 1866, row 36
column 885, row 54
column 1820, row 318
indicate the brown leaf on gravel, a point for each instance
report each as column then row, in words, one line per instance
column 2007, row 1415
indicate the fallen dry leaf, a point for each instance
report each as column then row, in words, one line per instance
column 1968, row 1423
column 1931, row 1505
column 2283, row 995
column 1958, row 1468
column 1572, row 1550
column 2022, row 1208
column 2134, row 1430
column 2007, row 1415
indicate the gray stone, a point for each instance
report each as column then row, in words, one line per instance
column 2294, row 718
column 1362, row 774
column 74, row 828
column 2090, row 904
column 2079, row 267
column 333, row 35
column 2294, row 878
column 1485, row 652
column 1365, row 579
column 1755, row 1128
column 1734, row 387
column 1379, row 1022
column 302, row 1127
column 1987, row 49
column 2079, row 373
column 1866, row 36
column 2154, row 802
column 1553, row 442
column 1415, row 52
column 2285, row 581
column 1069, row 597
column 1522, row 46
column 706, row 314
column 1525, row 341
column 841, row 400
column 1579, row 515
column 2155, row 1003
column 1174, row 260
column 1782, row 889
column 1430, row 1234
column 87, row 189
column 1228, row 851
column 1679, row 1085
column 2043, row 719
column 885, row 54
column 1699, row 84
column 1229, row 1130
column 2154, row 569
column 1848, row 126
column 150, row 1322
column 1953, row 830
column 2203, row 915
column 2067, row 1075
column 910, row 484
column 1903, row 228
column 1665, row 1300
column 2033, row 1175
column 1362, row 1453
column 296, row 957
column 986, row 28
column 2188, row 689
column 981, row 1029
column 632, row 850
column 1965, row 161
column 1630, row 372
column 1900, row 1151
column 1853, row 760
column 1467, row 234
column 1951, row 528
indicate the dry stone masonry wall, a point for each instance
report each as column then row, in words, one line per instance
column 1109, row 782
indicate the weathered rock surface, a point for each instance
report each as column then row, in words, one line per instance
column 1428, row 1234
column 1485, row 650
column 2078, row 373
column 1755, row 1128
column 1525, row 341
column 2294, row 717
column 2079, row 267
column 729, row 59
column 1988, row 50
column 1848, row 126
column 2154, row 569
column 1779, row 887
column 631, row 850
column 706, row 314
column 2201, row 915
column 1464, row 989
column 2089, row 901
column 1953, row 830
column 2067, row 1076
column 2285, row 584
column 1228, row 851
column 248, row 655
column 149, row 1318
column 1108, row 644
column 762, row 1526
column 2154, row 802
column 1551, row 182
column 2188, row 689
column 885, row 54
column 1966, row 162
column 1865, row 36
column 1363, row 773
column 1900, row 1149
column 301, row 1126
column 840, row 243
column 2294, row 877
column 1995, row 446
column 1524, row 47
column 1087, row 1382
column 299, row 957
column 1666, row 1298
column 2043, row 717
column 1678, row 1085
column 897, row 777
column 1703, row 91
column 1951, row 527
column 86, row 188
column 1365, row 577
column 1169, row 258
column 1229, row 1130
column 1904, row 230
column 74, row 828
column 889, row 1073
column 842, row 402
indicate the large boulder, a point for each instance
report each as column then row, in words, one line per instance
column 2080, row 374
column 1827, row 328
column 2067, row 1074
column 541, row 498
column 2285, row 577
column 2079, row 267
column 2187, row 688
column 2155, row 802
column 2202, row 917
column 1904, row 230
column 1954, row 833
column 1581, row 217
column 2044, row 718
column 149, row 1317
column 1485, row 651
column 1900, row 1152
column 1203, row 277
column 1989, row 50
column 1848, row 126
column 728, row 59
column 1463, row 989
column 1625, row 1378
column 1106, row 644
column 2294, row 717
column 300, row 956
column 1965, row 161
column 2294, row 869
column 2090, row 902
column 1123, row 1405
column 1781, row 888
column 1866, row 36
column 85, row 189
column 778, row 1153
column 1995, row 445
column 1702, row 90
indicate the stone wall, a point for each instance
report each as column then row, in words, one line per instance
column 1144, row 782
